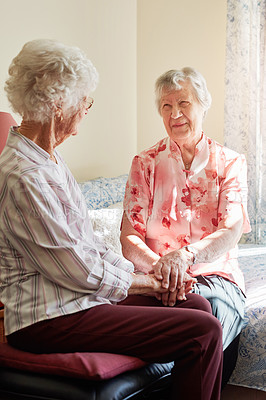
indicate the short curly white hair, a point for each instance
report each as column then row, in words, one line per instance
column 170, row 81
column 46, row 73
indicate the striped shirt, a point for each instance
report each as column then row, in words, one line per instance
column 51, row 263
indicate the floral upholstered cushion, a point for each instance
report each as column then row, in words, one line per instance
column 103, row 192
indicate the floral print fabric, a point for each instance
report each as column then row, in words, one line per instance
column 172, row 207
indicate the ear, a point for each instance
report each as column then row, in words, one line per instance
column 59, row 114
column 57, row 109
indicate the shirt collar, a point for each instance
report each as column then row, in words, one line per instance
column 26, row 146
column 201, row 154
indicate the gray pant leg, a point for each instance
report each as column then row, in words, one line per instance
column 227, row 302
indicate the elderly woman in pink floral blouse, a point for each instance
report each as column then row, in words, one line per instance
column 185, row 205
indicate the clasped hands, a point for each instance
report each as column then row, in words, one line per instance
column 170, row 269
column 168, row 280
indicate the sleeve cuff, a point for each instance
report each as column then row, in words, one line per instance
column 114, row 284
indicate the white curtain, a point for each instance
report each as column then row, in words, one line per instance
column 245, row 102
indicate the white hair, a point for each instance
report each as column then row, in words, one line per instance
column 170, row 81
column 46, row 73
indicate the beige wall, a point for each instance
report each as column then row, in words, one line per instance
column 173, row 34
column 131, row 42
column 106, row 30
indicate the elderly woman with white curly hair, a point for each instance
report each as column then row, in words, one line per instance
column 185, row 207
column 58, row 282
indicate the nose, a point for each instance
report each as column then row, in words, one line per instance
column 176, row 112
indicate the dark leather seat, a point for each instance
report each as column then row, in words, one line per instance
column 150, row 382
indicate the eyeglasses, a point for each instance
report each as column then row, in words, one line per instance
column 89, row 102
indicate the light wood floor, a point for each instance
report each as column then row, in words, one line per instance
column 232, row 392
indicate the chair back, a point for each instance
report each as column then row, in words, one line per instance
column 6, row 121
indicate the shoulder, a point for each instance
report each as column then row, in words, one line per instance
column 154, row 151
column 225, row 153
column 19, row 172
column 229, row 163
column 144, row 164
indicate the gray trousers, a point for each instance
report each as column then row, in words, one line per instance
column 227, row 302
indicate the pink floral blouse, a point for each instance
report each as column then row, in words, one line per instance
column 172, row 207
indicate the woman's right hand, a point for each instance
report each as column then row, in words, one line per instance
column 171, row 268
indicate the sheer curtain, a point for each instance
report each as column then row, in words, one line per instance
column 245, row 102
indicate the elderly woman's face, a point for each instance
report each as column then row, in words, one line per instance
column 69, row 125
column 182, row 114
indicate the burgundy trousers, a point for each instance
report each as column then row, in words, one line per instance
column 140, row 326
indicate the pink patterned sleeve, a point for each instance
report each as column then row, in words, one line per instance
column 138, row 194
column 234, row 190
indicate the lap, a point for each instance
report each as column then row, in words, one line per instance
column 194, row 301
column 121, row 328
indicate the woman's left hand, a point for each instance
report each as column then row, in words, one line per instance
column 171, row 267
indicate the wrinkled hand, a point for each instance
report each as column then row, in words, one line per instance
column 146, row 284
column 170, row 269
column 170, row 298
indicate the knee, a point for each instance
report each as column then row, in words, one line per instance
column 225, row 308
column 199, row 303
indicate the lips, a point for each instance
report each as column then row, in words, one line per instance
column 178, row 125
